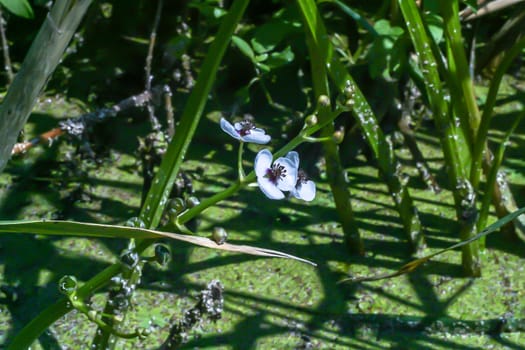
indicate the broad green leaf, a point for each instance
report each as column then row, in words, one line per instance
column 20, row 8
column 280, row 58
column 269, row 35
column 414, row 264
column 82, row 229
column 385, row 54
column 208, row 11
column 244, row 47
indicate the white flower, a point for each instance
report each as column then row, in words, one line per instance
column 277, row 177
column 245, row 131
column 304, row 189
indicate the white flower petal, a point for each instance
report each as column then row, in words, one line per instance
column 238, row 126
column 294, row 157
column 287, row 183
column 263, row 162
column 269, row 189
column 229, row 129
column 256, row 137
column 305, row 191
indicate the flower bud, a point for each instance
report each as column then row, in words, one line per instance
column 162, row 254
column 92, row 314
column 67, row 285
column 219, row 235
column 176, row 205
column 349, row 91
column 350, row 103
column 338, row 136
column 324, row 101
column 192, row 202
column 311, row 120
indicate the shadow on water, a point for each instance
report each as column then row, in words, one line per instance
column 339, row 316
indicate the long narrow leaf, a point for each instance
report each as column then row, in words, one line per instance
column 83, row 229
column 414, row 264
column 366, row 119
column 163, row 182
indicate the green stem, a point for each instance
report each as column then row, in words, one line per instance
column 156, row 199
column 250, row 177
column 317, row 43
column 464, row 194
column 492, row 176
column 318, row 139
column 43, row 57
column 450, row 12
column 239, row 162
column 50, row 315
column 169, row 168
column 367, row 121
column 481, row 139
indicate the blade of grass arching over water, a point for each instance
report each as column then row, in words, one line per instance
column 317, row 40
column 414, row 264
column 382, row 149
column 84, row 229
column 45, row 319
column 43, row 57
column 464, row 195
column 162, row 184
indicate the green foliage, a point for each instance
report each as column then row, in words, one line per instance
column 387, row 52
column 337, row 81
column 20, row 8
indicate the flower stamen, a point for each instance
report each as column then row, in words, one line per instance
column 302, row 178
column 246, row 127
column 276, row 173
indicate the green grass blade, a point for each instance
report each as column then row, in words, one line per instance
column 162, row 184
column 452, row 142
column 492, row 176
column 365, row 117
column 43, row 57
column 460, row 73
column 414, row 264
column 318, row 43
column 83, row 229
column 481, row 139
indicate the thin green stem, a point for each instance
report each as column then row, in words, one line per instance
column 51, row 314
column 492, row 176
column 481, row 139
column 162, row 184
column 318, row 49
column 450, row 10
column 239, row 162
column 318, row 139
column 250, row 177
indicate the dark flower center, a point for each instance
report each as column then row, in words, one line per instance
column 276, row 172
column 246, row 127
column 302, row 178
